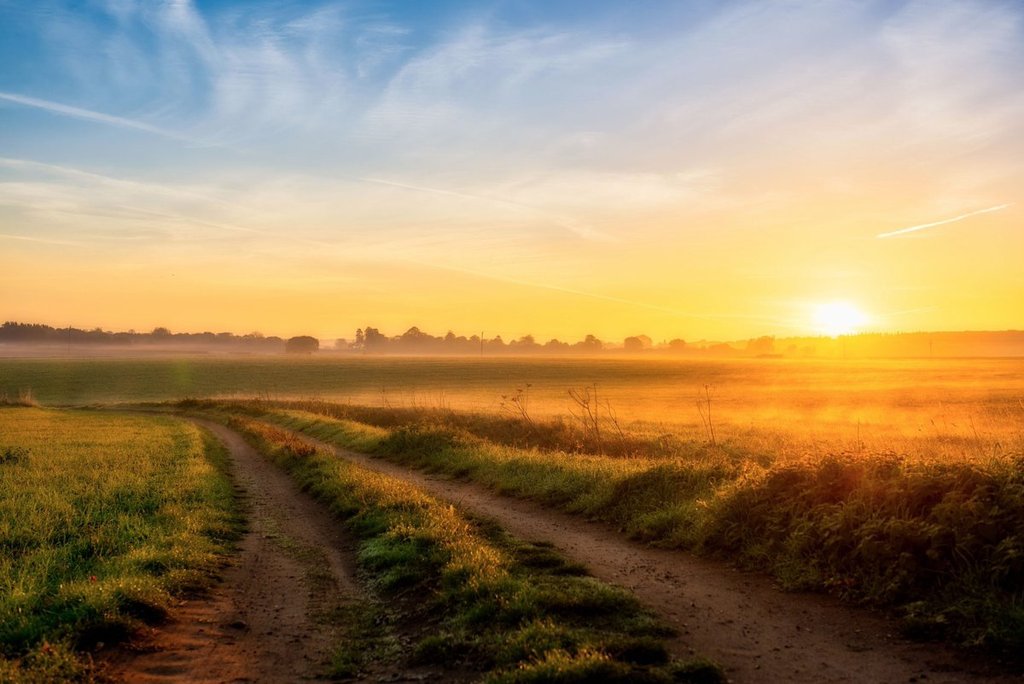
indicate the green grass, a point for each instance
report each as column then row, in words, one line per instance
column 939, row 543
column 511, row 610
column 103, row 517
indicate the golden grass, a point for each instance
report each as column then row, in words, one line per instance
column 938, row 540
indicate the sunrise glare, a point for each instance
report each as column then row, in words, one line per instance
column 838, row 318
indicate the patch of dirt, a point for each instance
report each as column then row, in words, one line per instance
column 756, row 632
column 260, row 621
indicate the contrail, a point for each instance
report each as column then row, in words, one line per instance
column 43, row 241
column 923, row 226
column 89, row 115
column 156, row 188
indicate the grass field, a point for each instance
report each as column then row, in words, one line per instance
column 939, row 542
column 894, row 483
column 103, row 516
column 954, row 407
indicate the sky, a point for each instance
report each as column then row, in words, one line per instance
column 695, row 170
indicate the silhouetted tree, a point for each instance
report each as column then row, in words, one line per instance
column 555, row 345
column 761, row 345
column 302, row 344
column 373, row 340
column 637, row 343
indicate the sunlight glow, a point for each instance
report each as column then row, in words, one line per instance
column 838, row 318
column 313, row 168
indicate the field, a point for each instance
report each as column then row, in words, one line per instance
column 936, row 540
column 103, row 517
column 894, row 484
column 945, row 407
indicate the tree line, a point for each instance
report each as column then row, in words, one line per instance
column 416, row 341
column 371, row 340
column 36, row 333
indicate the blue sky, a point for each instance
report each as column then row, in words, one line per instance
column 699, row 169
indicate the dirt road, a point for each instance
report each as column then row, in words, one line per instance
column 260, row 622
column 758, row 633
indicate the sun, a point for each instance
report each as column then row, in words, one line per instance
column 838, row 318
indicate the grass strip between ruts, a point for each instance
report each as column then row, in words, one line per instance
column 510, row 610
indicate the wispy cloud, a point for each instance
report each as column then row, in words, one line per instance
column 77, row 193
column 89, row 115
column 933, row 224
column 630, row 303
column 656, row 157
column 574, row 227
column 84, row 177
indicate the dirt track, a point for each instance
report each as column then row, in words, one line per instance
column 758, row 633
column 259, row 622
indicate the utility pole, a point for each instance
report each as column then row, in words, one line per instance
column 481, row 344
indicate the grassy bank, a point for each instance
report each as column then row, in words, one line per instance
column 938, row 542
column 512, row 611
column 103, row 517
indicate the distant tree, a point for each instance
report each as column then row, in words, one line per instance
column 302, row 344
column 637, row 343
column 373, row 340
column 555, row 345
column 495, row 345
column 677, row 344
column 761, row 345
column 414, row 334
column 590, row 344
column 415, row 340
column 526, row 343
column 720, row 349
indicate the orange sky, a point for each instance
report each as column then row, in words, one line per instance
column 705, row 173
